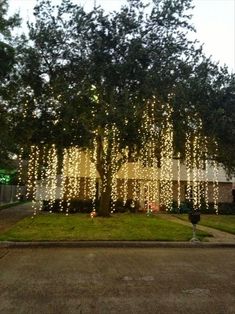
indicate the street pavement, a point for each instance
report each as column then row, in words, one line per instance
column 120, row 280
column 67, row 279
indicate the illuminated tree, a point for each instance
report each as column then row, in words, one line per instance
column 88, row 78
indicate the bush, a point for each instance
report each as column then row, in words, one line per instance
column 130, row 206
column 86, row 206
column 223, row 208
column 186, row 207
column 227, row 208
column 76, row 206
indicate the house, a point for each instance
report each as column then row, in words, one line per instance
column 148, row 186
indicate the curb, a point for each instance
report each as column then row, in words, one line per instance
column 114, row 244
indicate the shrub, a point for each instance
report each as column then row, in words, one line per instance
column 86, row 206
column 76, row 206
column 227, row 208
column 186, row 207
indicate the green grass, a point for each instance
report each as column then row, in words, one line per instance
column 220, row 222
column 81, row 227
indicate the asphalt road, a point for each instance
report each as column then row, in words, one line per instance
column 99, row 280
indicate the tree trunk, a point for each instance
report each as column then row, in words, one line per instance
column 105, row 201
column 105, row 175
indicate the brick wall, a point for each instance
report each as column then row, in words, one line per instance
column 225, row 191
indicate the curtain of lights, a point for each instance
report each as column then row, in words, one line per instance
column 149, row 183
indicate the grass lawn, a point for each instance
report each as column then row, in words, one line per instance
column 82, row 227
column 220, row 222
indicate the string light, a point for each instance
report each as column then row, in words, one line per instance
column 115, row 142
column 149, row 193
column 206, row 196
column 125, row 177
column 195, row 185
column 86, row 161
column 135, row 181
column 105, row 159
column 200, row 189
column 35, row 172
column 215, row 181
column 201, row 172
column 178, row 181
column 144, row 132
column 78, row 166
column 42, row 181
column 72, row 172
column 64, row 176
column 92, row 192
column 30, row 172
column 32, row 176
column 166, row 159
column 188, row 161
column 20, row 173
column 51, row 176
column 155, row 185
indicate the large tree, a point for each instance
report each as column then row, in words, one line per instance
column 7, row 59
column 82, row 73
column 221, row 118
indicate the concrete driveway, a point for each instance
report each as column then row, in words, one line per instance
column 99, row 280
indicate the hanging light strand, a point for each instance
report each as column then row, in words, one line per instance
column 35, row 173
column 51, row 176
column 178, row 181
column 64, row 176
column 20, row 173
column 42, row 177
column 206, row 195
column 125, row 176
column 195, row 186
column 215, row 180
column 188, row 161
column 30, row 172
column 166, row 176
column 105, row 159
column 115, row 146
column 92, row 193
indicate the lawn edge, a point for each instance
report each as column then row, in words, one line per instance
column 114, row 244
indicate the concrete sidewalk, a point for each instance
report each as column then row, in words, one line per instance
column 11, row 215
column 218, row 236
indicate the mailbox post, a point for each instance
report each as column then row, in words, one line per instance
column 194, row 217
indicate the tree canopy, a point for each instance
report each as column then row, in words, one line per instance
column 7, row 59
